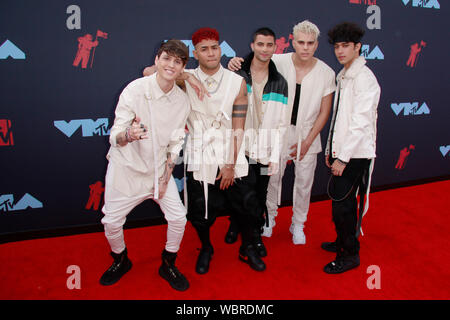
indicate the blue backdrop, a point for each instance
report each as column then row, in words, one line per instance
column 58, row 101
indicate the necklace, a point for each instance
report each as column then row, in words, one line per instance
column 218, row 85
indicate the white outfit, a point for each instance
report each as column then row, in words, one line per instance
column 134, row 169
column 317, row 84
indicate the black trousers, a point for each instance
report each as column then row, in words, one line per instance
column 239, row 200
column 259, row 172
column 343, row 191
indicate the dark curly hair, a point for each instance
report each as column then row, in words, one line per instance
column 345, row 32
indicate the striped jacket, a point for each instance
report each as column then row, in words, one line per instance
column 265, row 142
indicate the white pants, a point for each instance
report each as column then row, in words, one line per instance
column 304, row 177
column 118, row 206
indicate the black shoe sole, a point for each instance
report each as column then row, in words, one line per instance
column 167, row 278
column 247, row 261
column 327, row 270
column 109, row 283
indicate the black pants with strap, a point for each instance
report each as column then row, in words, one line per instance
column 239, row 200
column 343, row 191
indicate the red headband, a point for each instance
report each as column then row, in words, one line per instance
column 205, row 34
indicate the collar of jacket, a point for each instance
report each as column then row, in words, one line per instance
column 273, row 72
column 354, row 69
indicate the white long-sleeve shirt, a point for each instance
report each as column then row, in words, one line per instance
column 163, row 113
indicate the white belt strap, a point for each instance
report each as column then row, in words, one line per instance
column 366, row 202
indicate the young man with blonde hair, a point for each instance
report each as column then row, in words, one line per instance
column 311, row 84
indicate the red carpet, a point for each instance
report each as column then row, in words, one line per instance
column 406, row 234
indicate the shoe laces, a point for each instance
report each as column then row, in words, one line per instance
column 173, row 270
column 115, row 266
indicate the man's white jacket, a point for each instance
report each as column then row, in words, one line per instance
column 355, row 128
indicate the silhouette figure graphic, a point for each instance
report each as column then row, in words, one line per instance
column 414, row 54
column 6, row 137
column 404, row 153
column 95, row 195
column 282, row 44
column 85, row 45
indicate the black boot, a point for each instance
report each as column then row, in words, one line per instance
column 120, row 266
column 258, row 243
column 170, row 273
column 233, row 232
column 247, row 254
column 342, row 264
column 203, row 259
column 329, row 246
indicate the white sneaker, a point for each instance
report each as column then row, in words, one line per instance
column 267, row 231
column 298, row 236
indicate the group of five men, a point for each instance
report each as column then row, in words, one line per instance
column 243, row 127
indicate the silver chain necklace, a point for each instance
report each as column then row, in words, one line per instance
column 218, row 85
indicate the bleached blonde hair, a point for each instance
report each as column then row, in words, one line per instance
column 307, row 27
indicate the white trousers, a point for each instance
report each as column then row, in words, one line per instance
column 118, row 206
column 304, row 177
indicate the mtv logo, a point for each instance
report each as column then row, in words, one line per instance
column 410, row 108
column 6, row 137
column 371, row 55
column 9, row 49
column 27, row 201
column 423, row 3
column 89, row 127
column 224, row 46
column 444, row 150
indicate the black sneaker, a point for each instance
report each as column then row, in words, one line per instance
column 203, row 260
column 342, row 264
column 259, row 245
column 248, row 255
column 329, row 246
column 169, row 272
column 120, row 266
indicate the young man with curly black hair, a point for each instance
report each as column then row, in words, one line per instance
column 350, row 151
